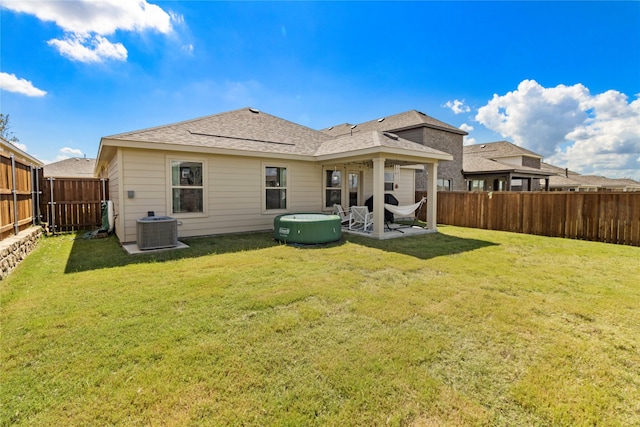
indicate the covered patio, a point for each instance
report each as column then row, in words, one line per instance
column 393, row 232
column 376, row 151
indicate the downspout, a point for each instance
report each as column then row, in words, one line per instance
column 104, row 189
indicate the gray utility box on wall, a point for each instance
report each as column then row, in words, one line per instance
column 155, row 232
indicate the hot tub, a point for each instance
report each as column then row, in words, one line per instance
column 307, row 228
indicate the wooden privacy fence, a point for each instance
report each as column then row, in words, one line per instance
column 72, row 204
column 17, row 191
column 603, row 217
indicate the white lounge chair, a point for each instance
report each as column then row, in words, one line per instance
column 345, row 215
column 361, row 218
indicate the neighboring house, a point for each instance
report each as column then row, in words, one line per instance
column 418, row 127
column 566, row 180
column 235, row 171
column 76, row 167
column 503, row 166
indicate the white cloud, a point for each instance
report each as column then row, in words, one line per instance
column 71, row 152
column 87, row 22
column 457, row 106
column 83, row 49
column 102, row 17
column 594, row 134
column 11, row 83
column 465, row 127
column 63, row 154
column 467, row 140
column 67, row 153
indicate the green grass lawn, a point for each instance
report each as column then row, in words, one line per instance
column 461, row 328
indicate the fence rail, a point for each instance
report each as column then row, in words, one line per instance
column 603, row 217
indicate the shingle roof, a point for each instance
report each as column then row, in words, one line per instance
column 371, row 139
column 604, row 182
column 407, row 120
column 561, row 181
column 480, row 164
column 592, row 181
column 556, row 169
column 76, row 167
column 244, row 129
column 253, row 131
column 495, row 150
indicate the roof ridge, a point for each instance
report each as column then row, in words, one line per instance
column 183, row 122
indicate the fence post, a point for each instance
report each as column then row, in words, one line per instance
column 16, row 227
column 38, row 192
column 52, row 226
column 104, row 189
column 33, row 194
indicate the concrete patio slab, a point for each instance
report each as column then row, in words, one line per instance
column 133, row 249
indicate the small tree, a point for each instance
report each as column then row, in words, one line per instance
column 4, row 129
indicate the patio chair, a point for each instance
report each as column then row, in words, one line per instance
column 361, row 218
column 345, row 215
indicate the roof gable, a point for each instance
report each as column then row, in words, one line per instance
column 496, row 150
column 477, row 165
column 407, row 120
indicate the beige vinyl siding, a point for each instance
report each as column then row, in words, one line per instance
column 144, row 173
column 405, row 193
column 233, row 187
column 114, row 194
column 306, row 193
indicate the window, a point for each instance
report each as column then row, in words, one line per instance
column 476, row 185
column 187, row 189
column 388, row 181
column 275, row 187
column 444, row 184
column 333, row 187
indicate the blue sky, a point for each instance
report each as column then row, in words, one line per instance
column 559, row 78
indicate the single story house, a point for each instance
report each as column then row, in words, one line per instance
column 75, row 167
column 418, row 127
column 503, row 166
column 236, row 171
column 564, row 179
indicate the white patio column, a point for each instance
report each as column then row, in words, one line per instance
column 378, row 197
column 432, row 196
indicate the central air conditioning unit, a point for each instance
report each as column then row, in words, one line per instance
column 156, row 232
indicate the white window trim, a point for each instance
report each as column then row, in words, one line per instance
column 343, row 187
column 205, row 185
column 393, row 181
column 263, row 187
